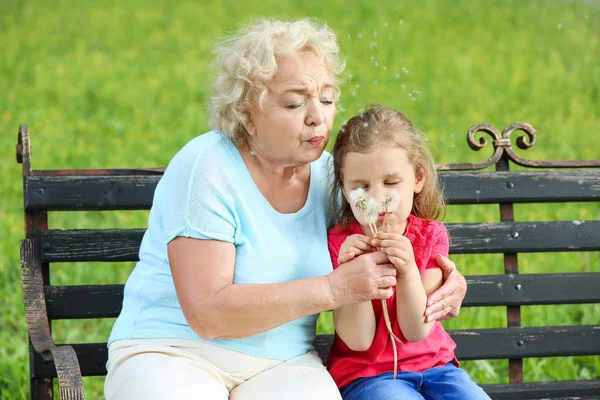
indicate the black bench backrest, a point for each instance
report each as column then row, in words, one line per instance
column 100, row 190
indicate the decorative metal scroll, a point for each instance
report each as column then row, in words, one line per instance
column 502, row 146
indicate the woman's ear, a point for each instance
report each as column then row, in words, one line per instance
column 420, row 180
column 249, row 125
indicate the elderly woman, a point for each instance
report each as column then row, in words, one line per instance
column 234, row 267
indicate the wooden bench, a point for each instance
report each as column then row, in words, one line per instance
column 47, row 191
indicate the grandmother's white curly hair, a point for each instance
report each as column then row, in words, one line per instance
column 247, row 61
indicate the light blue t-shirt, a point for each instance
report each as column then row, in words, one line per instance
column 207, row 192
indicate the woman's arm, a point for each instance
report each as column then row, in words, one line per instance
column 354, row 323
column 445, row 303
column 216, row 308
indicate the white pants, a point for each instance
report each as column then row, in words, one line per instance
column 152, row 369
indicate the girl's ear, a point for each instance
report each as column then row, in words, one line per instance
column 420, row 180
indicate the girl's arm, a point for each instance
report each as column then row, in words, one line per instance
column 411, row 290
column 411, row 299
column 214, row 307
column 355, row 325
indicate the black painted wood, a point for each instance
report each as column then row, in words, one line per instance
column 473, row 344
column 80, row 302
column 104, row 301
column 123, row 192
column 77, row 193
column 524, row 237
column 532, row 289
column 498, row 237
column 68, row 245
column 520, row 186
column 558, row 390
column 543, row 341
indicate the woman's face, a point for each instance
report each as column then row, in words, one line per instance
column 293, row 126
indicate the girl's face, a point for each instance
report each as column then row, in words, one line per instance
column 378, row 172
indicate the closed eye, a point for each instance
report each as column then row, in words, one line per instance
column 294, row 106
column 393, row 183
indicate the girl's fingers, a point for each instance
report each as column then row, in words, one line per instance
column 399, row 244
column 346, row 257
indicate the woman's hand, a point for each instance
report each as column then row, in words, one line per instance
column 354, row 246
column 366, row 277
column 398, row 248
column 445, row 302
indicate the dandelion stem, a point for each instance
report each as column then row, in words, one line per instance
column 386, row 315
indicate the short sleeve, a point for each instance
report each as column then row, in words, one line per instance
column 440, row 244
column 334, row 249
column 194, row 197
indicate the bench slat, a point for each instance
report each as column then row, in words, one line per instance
column 517, row 237
column 537, row 342
column 104, row 301
column 68, row 245
column 520, row 186
column 92, row 358
column 558, row 390
column 543, row 341
column 125, row 192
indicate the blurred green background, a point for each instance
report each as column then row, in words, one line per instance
column 116, row 84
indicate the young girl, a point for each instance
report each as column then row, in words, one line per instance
column 386, row 196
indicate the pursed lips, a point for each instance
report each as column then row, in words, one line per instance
column 316, row 140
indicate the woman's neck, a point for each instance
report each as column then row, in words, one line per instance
column 284, row 187
column 270, row 169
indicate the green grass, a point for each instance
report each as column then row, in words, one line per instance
column 125, row 84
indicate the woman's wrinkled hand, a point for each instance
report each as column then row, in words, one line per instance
column 445, row 302
column 366, row 277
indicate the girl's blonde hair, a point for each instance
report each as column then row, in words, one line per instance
column 377, row 126
column 248, row 61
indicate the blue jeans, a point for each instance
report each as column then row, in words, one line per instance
column 440, row 383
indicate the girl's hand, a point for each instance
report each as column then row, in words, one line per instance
column 398, row 249
column 354, row 246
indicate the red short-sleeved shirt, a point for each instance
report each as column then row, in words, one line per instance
column 428, row 239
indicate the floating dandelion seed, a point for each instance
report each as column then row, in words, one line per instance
column 397, row 76
column 375, row 82
column 405, row 70
column 353, row 94
column 357, row 85
column 401, row 22
column 376, row 63
column 374, row 33
column 559, row 27
column 384, row 68
column 390, row 36
column 359, row 35
column 403, row 86
column 385, row 24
